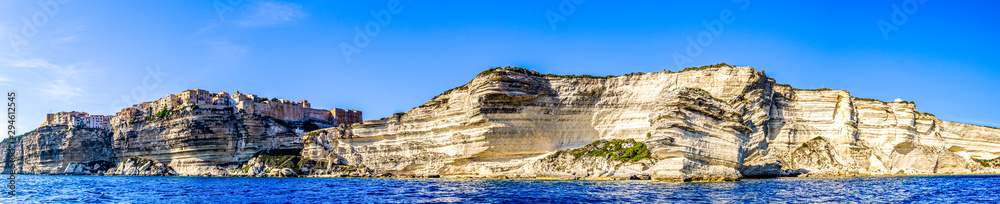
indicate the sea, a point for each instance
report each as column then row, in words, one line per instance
column 126, row 189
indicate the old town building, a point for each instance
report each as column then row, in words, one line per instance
column 241, row 102
column 77, row 119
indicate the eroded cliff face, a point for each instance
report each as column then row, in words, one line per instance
column 710, row 123
column 829, row 132
column 61, row 149
column 197, row 141
column 714, row 123
column 190, row 141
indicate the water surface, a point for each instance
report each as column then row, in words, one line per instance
column 124, row 189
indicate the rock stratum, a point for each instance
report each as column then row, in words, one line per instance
column 712, row 123
column 188, row 141
column 61, row 149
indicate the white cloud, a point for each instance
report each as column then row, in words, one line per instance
column 32, row 63
column 60, row 89
column 227, row 51
column 259, row 14
column 63, row 40
column 5, row 81
column 54, row 82
column 265, row 13
column 207, row 28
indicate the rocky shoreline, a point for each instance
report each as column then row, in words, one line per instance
column 711, row 123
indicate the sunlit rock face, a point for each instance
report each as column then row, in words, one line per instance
column 200, row 141
column 711, row 123
column 61, row 149
column 828, row 132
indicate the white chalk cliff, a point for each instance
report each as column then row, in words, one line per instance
column 715, row 122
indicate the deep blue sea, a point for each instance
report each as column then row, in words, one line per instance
column 123, row 189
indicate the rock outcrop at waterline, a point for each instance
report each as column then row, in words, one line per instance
column 702, row 124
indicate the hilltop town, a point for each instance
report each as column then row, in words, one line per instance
column 77, row 119
column 198, row 98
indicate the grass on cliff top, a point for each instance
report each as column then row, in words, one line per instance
column 528, row 71
column 399, row 114
column 878, row 101
column 719, row 65
column 532, row 72
column 819, row 89
column 620, row 150
column 506, row 69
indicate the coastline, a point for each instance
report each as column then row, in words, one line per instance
column 535, row 178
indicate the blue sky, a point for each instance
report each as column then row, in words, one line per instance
column 100, row 56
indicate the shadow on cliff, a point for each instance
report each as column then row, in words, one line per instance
column 769, row 170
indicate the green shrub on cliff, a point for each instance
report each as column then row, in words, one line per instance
column 819, row 89
column 280, row 161
column 312, row 164
column 620, row 150
column 705, row 67
column 995, row 162
column 489, row 71
column 163, row 113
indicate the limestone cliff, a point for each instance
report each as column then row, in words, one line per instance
column 713, row 123
column 61, row 149
column 197, row 141
column 184, row 139
column 710, row 123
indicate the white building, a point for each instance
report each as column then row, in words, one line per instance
column 98, row 121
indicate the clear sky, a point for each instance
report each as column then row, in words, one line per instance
column 96, row 56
